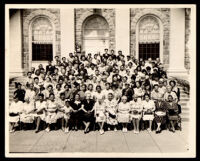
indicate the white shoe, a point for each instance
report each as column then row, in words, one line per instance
column 47, row 129
column 66, row 130
column 134, row 131
column 125, row 130
column 137, row 132
column 149, row 130
column 101, row 132
column 115, row 129
column 108, row 129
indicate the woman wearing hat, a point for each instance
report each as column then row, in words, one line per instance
column 148, row 110
column 123, row 116
column 111, row 111
column 136, row 113
column 15, row 110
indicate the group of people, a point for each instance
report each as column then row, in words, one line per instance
column 110, row 90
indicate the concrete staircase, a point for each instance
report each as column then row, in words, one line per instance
column 184, row 97
column 184, row 102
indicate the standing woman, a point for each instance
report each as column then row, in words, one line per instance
column 27, row 114
column 111, row 111
column 172, row 112
column 20, row 93
column 148, row 110
column 99, row 113
column 15, row 109
column 123, row 116
column 136, row 113
column 51, row 109
column 88, row 112
column 76, row 113
column 40, row 106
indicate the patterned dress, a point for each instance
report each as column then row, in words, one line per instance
column 111, row 111
column 100, row 112
column 40, row 106
column 123, row 115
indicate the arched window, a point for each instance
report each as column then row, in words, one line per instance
column 95, row 34
column 42, row 39
column 149, row 38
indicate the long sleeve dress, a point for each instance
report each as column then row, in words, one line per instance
column 123, row 115
column 160, row 112
column 111, row 111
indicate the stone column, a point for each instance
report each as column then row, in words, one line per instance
column 177, row 43
column 122, row 34
column 15, row 45
column 67, row 31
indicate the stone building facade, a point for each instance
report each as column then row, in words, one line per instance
column 86, row 28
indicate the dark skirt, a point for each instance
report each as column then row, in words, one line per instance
column 160, row 119
column 88, row 117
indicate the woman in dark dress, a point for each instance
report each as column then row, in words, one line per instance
column 88, row 112
column 160, row 113
column 172, row 112
column 19, row 93
column 75, row 118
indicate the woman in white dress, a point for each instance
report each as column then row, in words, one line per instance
column 148, row 110
column 27, row 115
column 111, row 111
column 99, row 113
column 51, row 116
column 123, row 115
column 40, row 106
column 63, row 113
column 15, row 109
column 138, row 92
column 136, row 113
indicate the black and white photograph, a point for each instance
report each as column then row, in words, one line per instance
column 100, row 80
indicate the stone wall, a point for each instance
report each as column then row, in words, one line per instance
column 81, row 15
column 187, row 37
column 27, row 16
column 164, row 15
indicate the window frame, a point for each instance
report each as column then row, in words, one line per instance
column 31, row 62
column 161, row 36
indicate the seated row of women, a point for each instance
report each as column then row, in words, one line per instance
column 74, row 112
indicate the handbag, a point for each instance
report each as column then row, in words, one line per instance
column 112, row 116
column 13, row 114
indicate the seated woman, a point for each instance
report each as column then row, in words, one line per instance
column 172, row 112
column 148, row 110
column 76, row 113
column 15, row 110
column 40, row 106
column 88, row 112
column 136, row 113
column 111, row 111
column 64, row 111
column 99, row 113
column 51, row 116
column 160, row 113
column 123, row 116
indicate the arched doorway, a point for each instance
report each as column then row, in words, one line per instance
column 95, row 36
